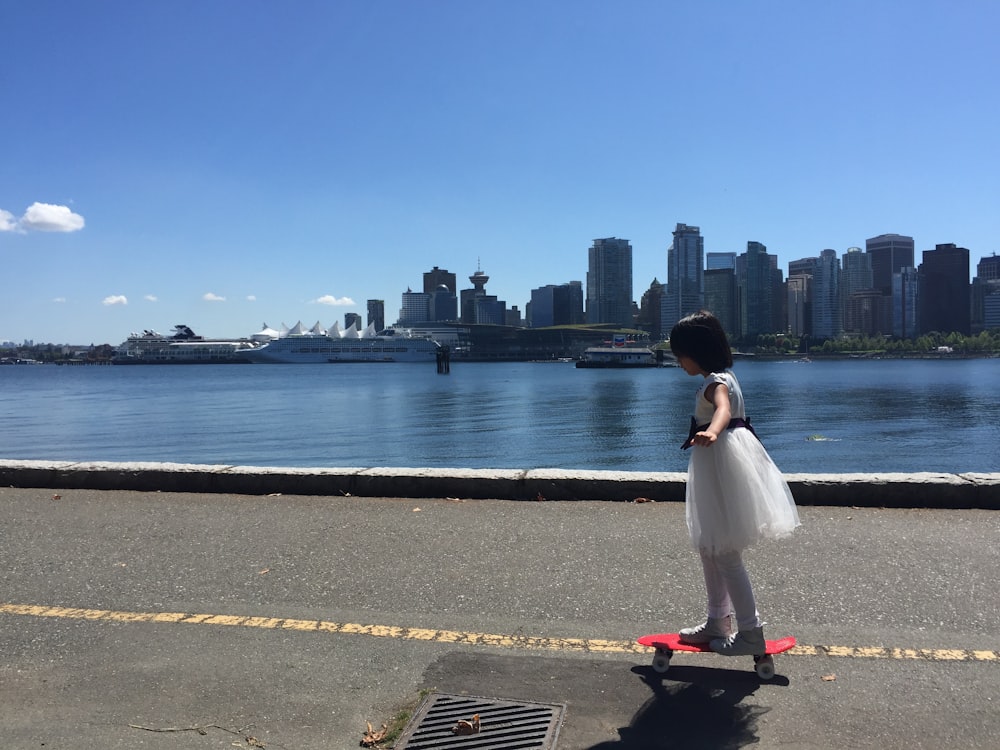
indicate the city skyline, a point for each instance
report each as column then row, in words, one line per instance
column 362, row 309
column 289, row 165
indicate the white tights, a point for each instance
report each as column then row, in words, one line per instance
column 729, row 589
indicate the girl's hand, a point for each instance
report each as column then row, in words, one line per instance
column 705, row 438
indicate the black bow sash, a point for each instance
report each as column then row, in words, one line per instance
column 733, row 423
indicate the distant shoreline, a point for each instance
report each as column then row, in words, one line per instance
column 739, row 357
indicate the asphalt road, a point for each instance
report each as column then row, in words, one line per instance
column 175, row 621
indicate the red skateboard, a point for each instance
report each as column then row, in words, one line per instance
column 666, row 643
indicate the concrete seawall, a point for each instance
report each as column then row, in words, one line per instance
column 920, row 490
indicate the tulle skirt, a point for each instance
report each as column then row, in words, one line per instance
column 736, row 496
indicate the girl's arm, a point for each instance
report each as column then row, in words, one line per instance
column 720, row 419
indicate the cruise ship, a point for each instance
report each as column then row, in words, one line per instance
column 318, row 345
column 181, row 347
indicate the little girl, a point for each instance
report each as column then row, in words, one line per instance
column 735, row 496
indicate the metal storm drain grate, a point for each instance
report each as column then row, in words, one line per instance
column 503, row 724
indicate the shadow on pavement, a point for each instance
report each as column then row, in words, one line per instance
column 613, row 704
column 693, row 707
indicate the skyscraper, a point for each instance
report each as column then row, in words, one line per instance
column 986, row 294
column 944, row 292
column 720, row 297
column 440, row 285
column 609, row 282
column 649, row 317
column 436, row 277
column 715, row 261
column 826, row 296
column 905, row 294
column 798, row 293
column 890, row 253
column 799, row 314
column 759, row 283
column 557, row 305
column 376, row 313
column 855, row 277
column 415, row 308
column 685, row 288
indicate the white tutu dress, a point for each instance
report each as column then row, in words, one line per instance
column 736, row 496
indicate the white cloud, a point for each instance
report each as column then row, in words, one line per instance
column 59, row 299
column 329, row 299
column 251, row 298
column 44, row 217
column 115, row 299
column 150, row 298
column 209, row 297
column 7, row 221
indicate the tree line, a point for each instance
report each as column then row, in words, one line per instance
column 984, row 343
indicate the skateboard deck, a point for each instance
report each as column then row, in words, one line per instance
column 666, row 643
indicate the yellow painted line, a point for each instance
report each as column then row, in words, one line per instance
column 586, row 645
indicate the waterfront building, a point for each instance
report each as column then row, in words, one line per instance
column 985, row 294
column 759, row 287
column 855, row 276
column 720, row 297
column 988, row 268
column 440, row 285
column 609, row 282
column 905, row 294
column 442, row 305
column 438, row 276
column 478, row 307
column 890, row 254
column 684, row 292
column 415, row 308
column 557, row 305
column 352, row 320
column 488, row 310
column 944, row 292
column 991, row 311
column 826, row 321
column 649, row 317
column 376, row 314
column 798, row 296
column 797, row 289
column 871, row 312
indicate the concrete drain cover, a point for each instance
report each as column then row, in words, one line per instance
column 503, row 724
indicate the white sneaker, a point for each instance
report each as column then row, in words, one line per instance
column 744, row 643
column 713, row 628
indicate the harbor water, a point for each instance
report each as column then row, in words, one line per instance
column 837, row 416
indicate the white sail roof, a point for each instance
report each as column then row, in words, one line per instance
column 265, row 334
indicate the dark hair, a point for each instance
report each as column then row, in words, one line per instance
column 700, row 337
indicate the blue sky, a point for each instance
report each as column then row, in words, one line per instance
column 228, row 163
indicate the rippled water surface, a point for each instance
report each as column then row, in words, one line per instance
column 825, row 416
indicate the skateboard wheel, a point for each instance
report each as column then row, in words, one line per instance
column 661, row 660
column 764, row 665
